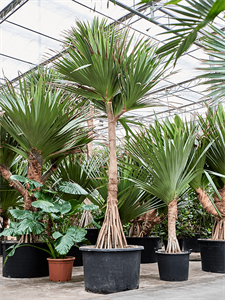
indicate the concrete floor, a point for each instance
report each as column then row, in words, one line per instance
column 200, row 286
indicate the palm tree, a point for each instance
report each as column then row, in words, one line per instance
column 214, row 133
column 165, row 157
column 100, row 65
column 46, row 126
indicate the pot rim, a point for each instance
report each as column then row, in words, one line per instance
column 68, row 258
column 131, row 248
column 183, row 252
column 210, row 240
column 17, row 242
column 143, row 237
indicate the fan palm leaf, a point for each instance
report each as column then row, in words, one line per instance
column 42, row 119
column 189, row 18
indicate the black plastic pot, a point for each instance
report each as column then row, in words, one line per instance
column 74, row 251
column 191, row 243
column 111, row 270
column 212, row 255
column 27, row 262
column 1, row 229
column 92, row 235
column 148, row 255
column 173, row 266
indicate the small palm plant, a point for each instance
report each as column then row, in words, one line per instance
column 214, row 135
column 101, row 65
column 166, row 158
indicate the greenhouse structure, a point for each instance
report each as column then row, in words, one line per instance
column 112, row 149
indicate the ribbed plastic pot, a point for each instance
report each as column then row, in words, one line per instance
column 191, row 243
column 212, row 255
column 173, row 266
column 148, row 255
column 27, row 262
column 111, row 270
column 60, row 269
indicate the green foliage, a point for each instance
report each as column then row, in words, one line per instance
column 213, row 127
column 192, row 219
column 214, row 44
column 132, row 202
column 101, row 65
column 189, row 20
column 43, row 119
column 63, row 234
column 165, row 156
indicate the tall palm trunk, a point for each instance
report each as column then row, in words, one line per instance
column 173, row 245
column 111, row 234
column 218, row 232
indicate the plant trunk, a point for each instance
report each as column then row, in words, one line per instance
column 90, row 122
column 5, row 221
column 136, row 227
column 218, row 232
column 111, row 234
column 173, row 245
column 86, row 217
column 205, row 202
column 34, row 173
column 150, row 221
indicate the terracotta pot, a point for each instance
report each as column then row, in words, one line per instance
column 60, row 269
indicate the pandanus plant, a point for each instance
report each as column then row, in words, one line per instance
column 101, row 65
column 213, row 127
column 166, row 158
column 46, row 124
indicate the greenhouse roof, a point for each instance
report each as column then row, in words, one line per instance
column 32, row 33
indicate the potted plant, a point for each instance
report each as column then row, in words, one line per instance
column 41, row 124
column 133, row 203
column 192, row 223
column 59, row 237
column 166, row 156
column 99, row 65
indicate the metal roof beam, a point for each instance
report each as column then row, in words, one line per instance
column 12, row 7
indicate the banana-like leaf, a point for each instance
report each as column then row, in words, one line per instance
column 71, row 188
column 46, row 206
column 63, row 243
column 27, row 226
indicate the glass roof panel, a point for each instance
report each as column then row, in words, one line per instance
column 31, row 34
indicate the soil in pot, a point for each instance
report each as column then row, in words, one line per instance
column 148, row 255
column 60, row 269
column 173, row 266
column 27, row 262
column 212, row 255
column 111, row 270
